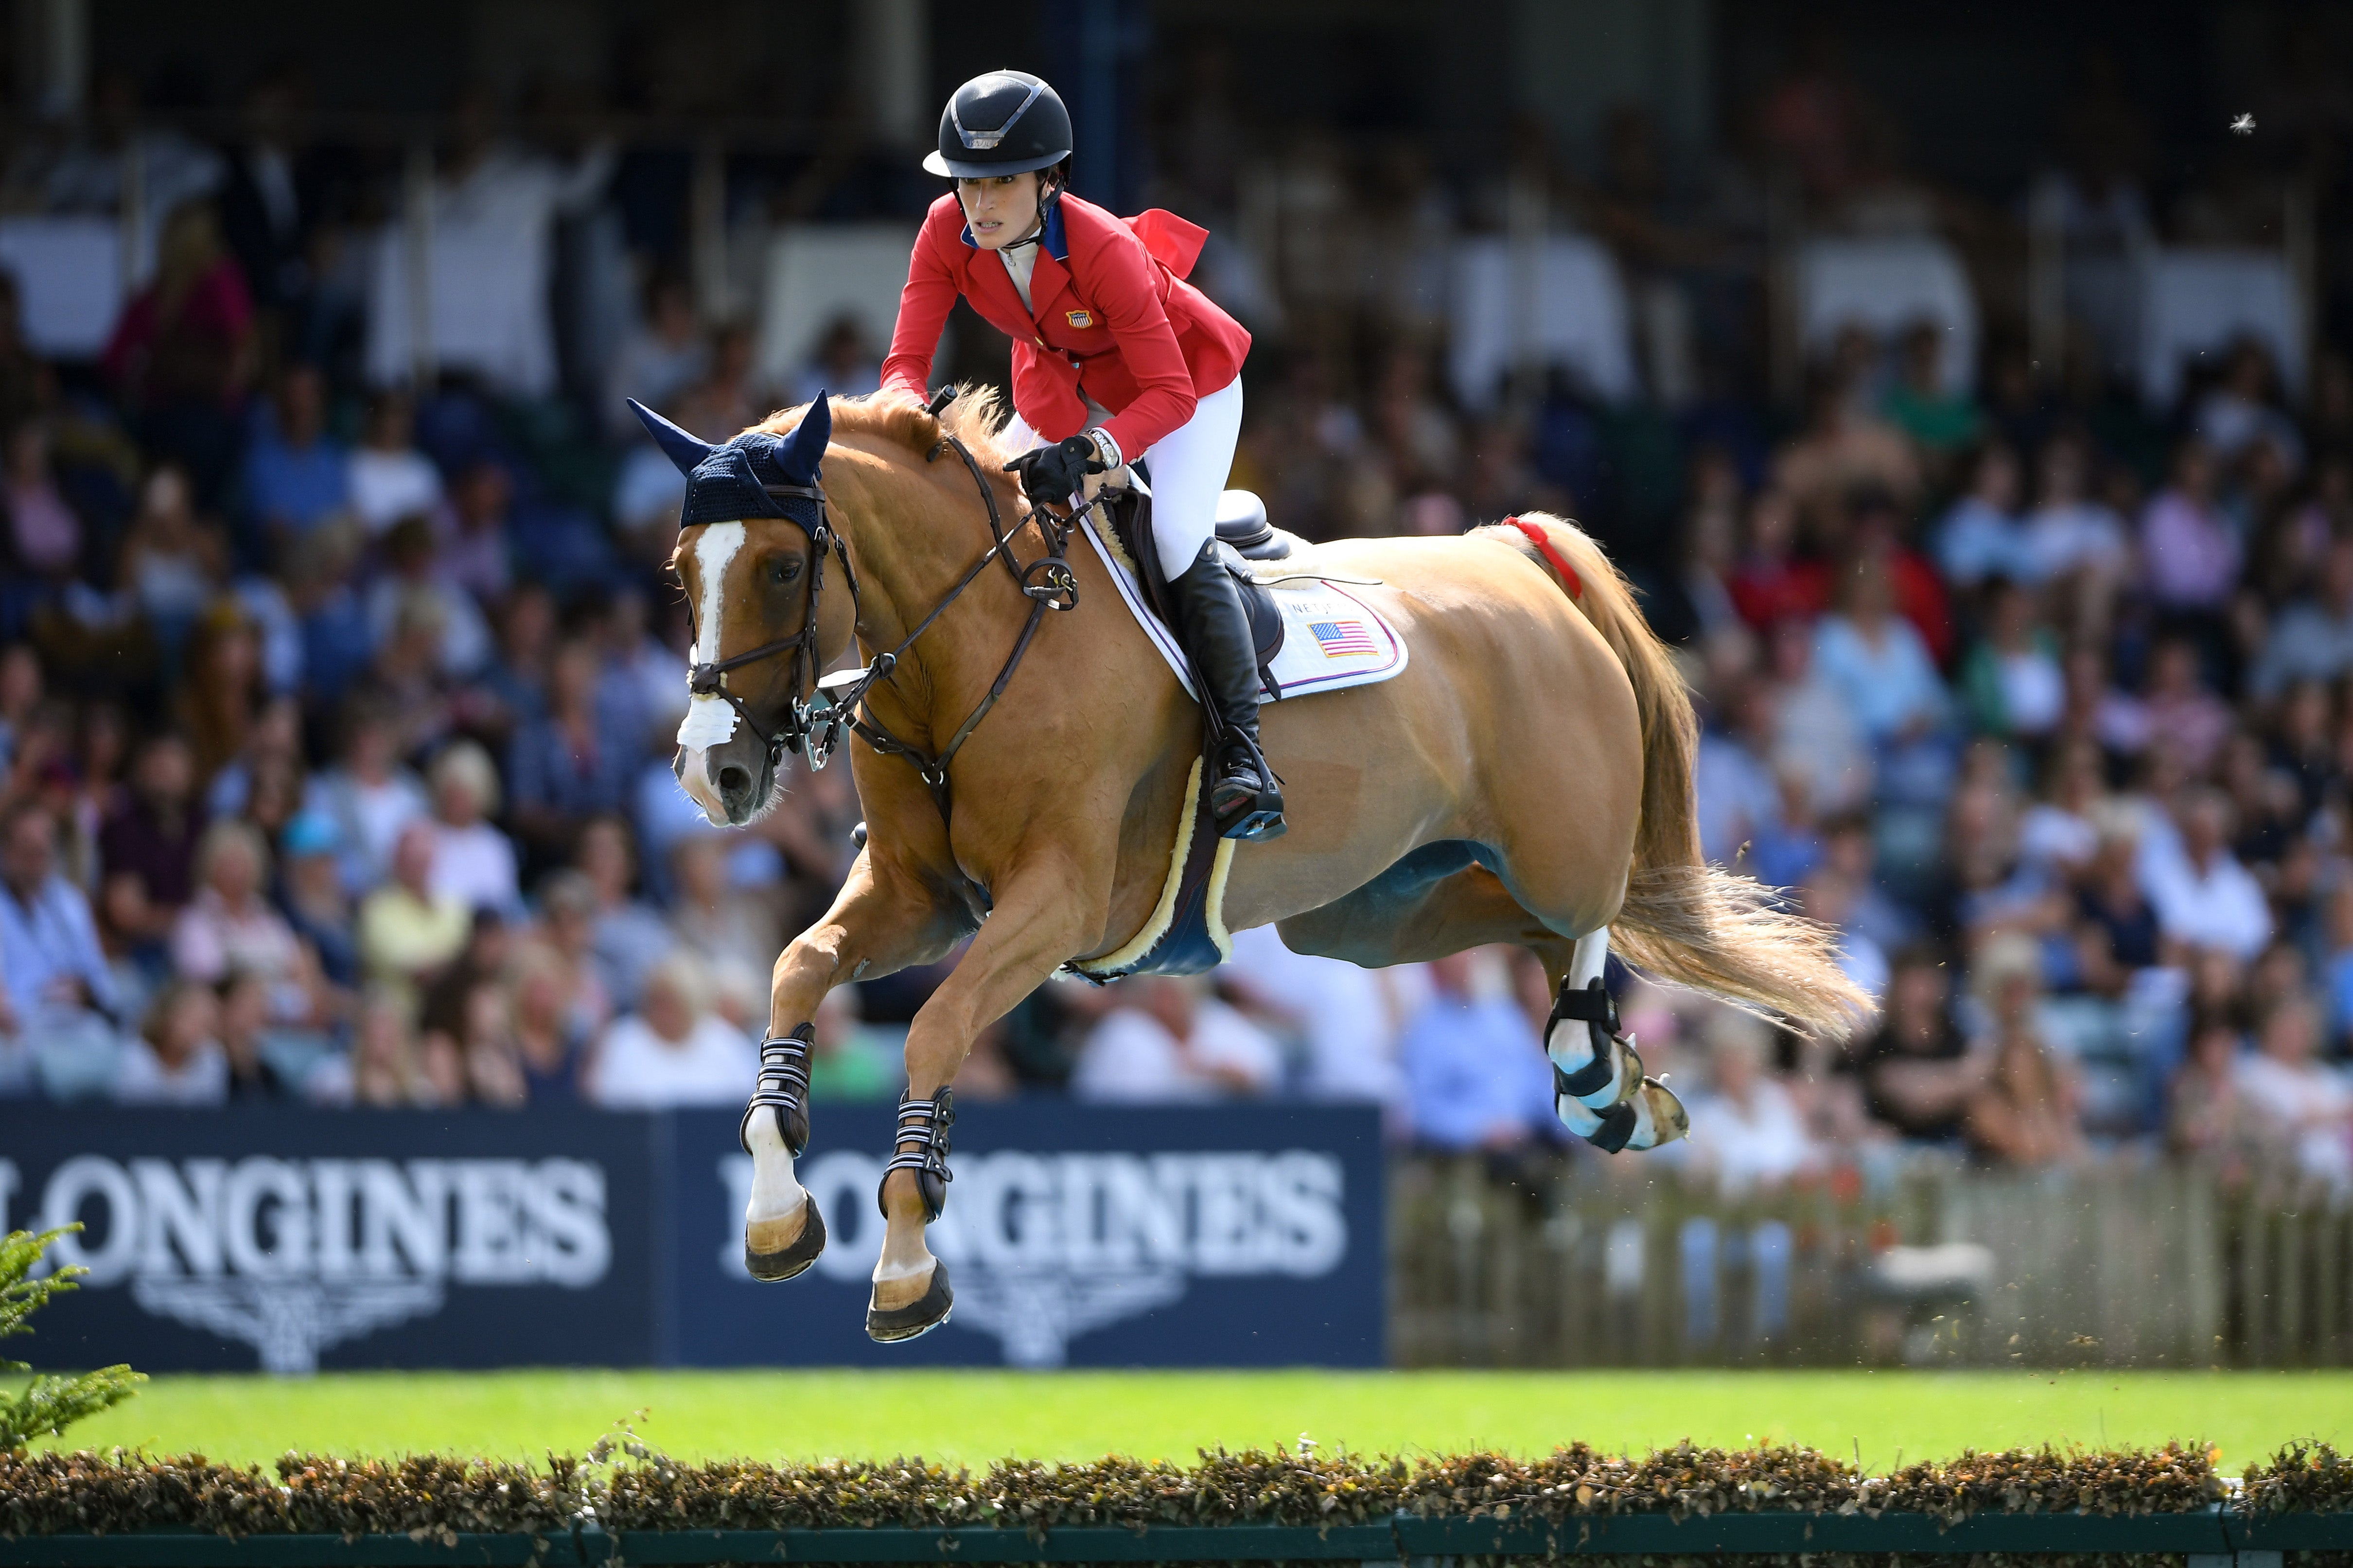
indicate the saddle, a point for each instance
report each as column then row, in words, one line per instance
column 1243, row 534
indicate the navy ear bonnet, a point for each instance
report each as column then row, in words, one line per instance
column 724, row 484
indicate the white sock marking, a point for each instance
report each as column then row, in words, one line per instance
column 776, row 1193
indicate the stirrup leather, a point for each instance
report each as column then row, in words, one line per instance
column 783, row 1088
column 925, row 1123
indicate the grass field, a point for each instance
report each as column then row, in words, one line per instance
column 975, row 1416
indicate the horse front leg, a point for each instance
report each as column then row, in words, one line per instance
column 1041, row 917
column 877, row 924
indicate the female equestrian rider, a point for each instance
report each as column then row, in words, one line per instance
column 1115, row 357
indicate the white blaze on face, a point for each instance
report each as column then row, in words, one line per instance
column 709, row 720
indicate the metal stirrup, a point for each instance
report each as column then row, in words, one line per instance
column 784, row 1088
column 926, row 1123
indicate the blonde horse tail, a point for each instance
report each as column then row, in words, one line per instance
column 1684, row 919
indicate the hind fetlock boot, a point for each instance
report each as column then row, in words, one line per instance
column 1244, row 800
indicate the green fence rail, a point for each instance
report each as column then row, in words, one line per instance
column 2211, row 1533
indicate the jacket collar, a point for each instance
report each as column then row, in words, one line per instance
column 1054, row 242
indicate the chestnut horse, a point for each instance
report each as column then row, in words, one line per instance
column 1526, row 778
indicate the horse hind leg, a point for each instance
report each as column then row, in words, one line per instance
column 1600, row 1089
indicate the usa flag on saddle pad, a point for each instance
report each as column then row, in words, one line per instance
column 1343, row 639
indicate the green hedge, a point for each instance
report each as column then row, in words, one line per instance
column 624, row 1487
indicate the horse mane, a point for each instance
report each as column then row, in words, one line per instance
column 978, row 417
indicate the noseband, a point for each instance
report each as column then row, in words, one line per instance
column 814, row 727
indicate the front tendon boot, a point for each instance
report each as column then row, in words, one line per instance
column 922, row 1147
column 780, row 1248
column 1244, row 799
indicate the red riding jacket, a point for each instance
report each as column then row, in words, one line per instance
column 1113, row 318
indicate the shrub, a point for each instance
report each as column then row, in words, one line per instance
column 47, row 1406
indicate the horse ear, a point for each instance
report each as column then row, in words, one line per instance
column 686, row 450
column 804, row 449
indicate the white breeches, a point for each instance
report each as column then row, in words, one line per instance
column 1189, row 467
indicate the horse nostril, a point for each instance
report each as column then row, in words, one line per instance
column 733, row 781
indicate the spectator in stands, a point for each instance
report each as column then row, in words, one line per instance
column 2023, row 1109
column 414, row 588
column 177, row 1058
column 1747, row 1131
column 850, row 1065
column 2010, row 682
column 567, row 768
column 172, row 564
column 732, row 928
column 369, row 796
column 2190, row 552
column 183, row 355
column 1344, row 1016
column 567, row 927
column 1475, row 1074
column 2203, row 897
column 490, row 947
column 512, row 691
column 1815, row 730
column 2179, row 716
column 2116, row 930
column 471, row 551
column 409, row 929
column 221, row 692
column 1940, row 420
column 1982, row 536
column 229, row 927
column 312, row 893
column 1875, row 661
column 147, row 845
column 1169, row 1042
column 2242, row 410
column 1844, row 449
column 2313, row 638
column 390, row 479
column 2070, row 532
column 297, row 476
column 385, row 1070
column 2208, row 1118
column 43, row 546
column 844, row 364
column 54, row 978
column 550, row 1043
column 487, row 1047
column 672, row 1051
column 1918, row 1072
column 255, row 1046
column 628, row 935
column 473, row 862
column 2304, row 1108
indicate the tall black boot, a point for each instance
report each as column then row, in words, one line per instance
column 1243, row 798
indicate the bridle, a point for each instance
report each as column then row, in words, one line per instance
column 813, row 727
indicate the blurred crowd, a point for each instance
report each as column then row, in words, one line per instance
column 336, row 713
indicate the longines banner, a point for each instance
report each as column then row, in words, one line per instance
column 294, row 1240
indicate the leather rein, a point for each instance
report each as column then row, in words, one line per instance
column 814, row 727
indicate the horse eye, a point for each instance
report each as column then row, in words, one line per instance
column 784, row 569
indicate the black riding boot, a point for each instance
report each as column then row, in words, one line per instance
column 1243, row 798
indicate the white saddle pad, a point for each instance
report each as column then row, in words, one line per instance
column 1330, row 636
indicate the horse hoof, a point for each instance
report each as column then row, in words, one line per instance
column 793, row 1257
column 890, row 1325
column 1660, row 1117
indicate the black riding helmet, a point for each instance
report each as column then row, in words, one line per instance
column 1005, row 122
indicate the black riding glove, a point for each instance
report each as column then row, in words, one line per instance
column 1053, row 473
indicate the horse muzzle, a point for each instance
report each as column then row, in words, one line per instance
column 730, row 782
